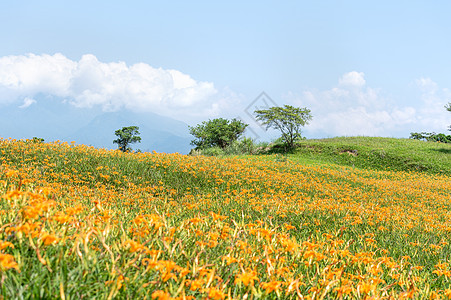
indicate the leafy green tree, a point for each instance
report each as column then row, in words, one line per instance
column 127, row 136
column 287, row 119
column 418, row 135
column 217, row 132
column 431, row 137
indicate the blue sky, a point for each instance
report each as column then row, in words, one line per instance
column 379, row 68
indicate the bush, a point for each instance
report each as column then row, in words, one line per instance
column 244, row 146
column 241, row 147
column 212, row 151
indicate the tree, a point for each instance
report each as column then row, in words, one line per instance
column 127, row 136
column 431, row 137
column 217, row 132
column 287, row 119
column 37, row 140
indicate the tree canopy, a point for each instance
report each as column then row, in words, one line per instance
column 217, row 132
column 287, row 119
column 127, row 136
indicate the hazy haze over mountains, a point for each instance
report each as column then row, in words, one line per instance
column 55, row 120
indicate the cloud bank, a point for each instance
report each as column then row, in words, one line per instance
column 111, row 86
column 353, row 108
column 349, row 108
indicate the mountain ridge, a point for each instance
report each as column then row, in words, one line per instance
column 53, row 119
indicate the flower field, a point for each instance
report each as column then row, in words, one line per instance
column 78, row 222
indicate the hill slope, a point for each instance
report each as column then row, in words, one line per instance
column 79, row 222
column 377, row 153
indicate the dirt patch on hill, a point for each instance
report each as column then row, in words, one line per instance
column 350, row 152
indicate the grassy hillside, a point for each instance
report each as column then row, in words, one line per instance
column 377, row 153
column 78, row 222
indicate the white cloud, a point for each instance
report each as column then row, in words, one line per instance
column 112, row 86
column 27, row 102
column 353, row 78
column 427, row 85
column 432, row 116
column 353, row 108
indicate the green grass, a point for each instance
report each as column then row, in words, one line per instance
column 376, row 153
column 98, row 201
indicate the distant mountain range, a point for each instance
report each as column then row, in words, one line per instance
column 53, row 120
